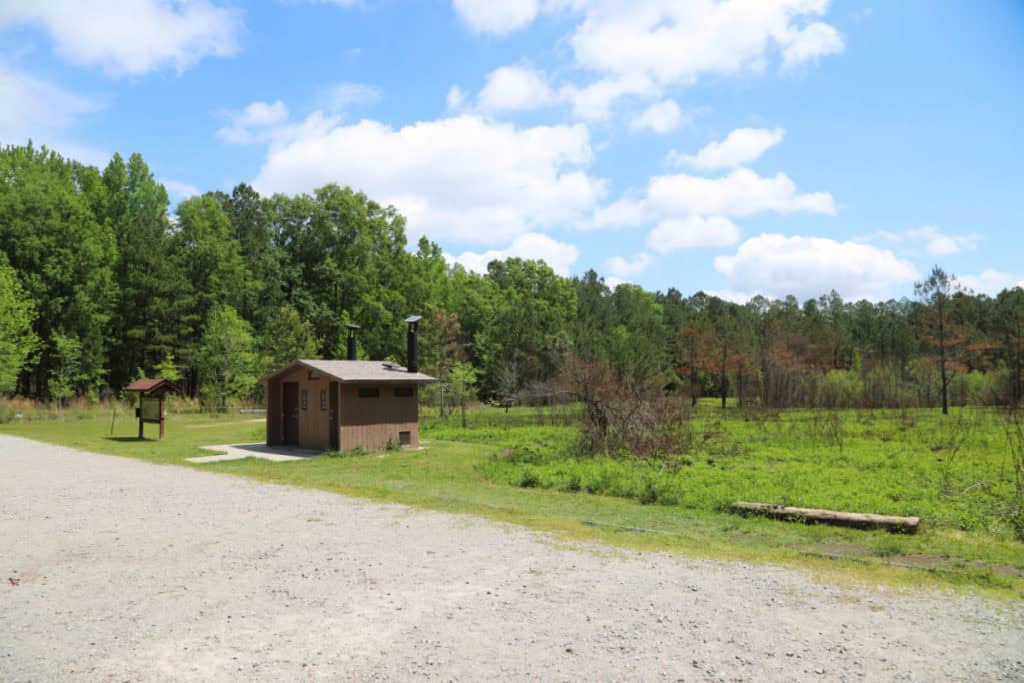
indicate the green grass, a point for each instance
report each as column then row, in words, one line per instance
column 890, row 463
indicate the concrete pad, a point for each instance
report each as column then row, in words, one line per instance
column 253, row 450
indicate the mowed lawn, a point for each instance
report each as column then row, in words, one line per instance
column 955, row 472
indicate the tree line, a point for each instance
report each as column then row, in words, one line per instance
column 100, row 283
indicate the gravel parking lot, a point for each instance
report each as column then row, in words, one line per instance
column 115, row 569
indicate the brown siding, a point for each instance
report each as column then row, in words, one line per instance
column 371, row 422
column 274, row 413
column 314, row 424
column 363, row 422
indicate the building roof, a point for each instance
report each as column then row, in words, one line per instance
column 359, row 372
column 147, row 386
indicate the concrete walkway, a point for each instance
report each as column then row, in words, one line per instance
column 239, row 451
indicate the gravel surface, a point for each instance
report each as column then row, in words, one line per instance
column 115, row 569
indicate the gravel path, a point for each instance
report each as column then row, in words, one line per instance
column 129, row 571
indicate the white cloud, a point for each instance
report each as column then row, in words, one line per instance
column 672, row 200
column 676, row 42
column 811, row 43
column 612, row 282
column 345, row 94
column 938, row 243
column 131, row 37
column 776, row 265
column 621, row 267
column 741, row 146
column 622, row 213
column 254, row 123
column 740, row 193
column 516, row 88
column 33, row 105
column 46, row 113
column 463, row 177
column 593, row 102
column 692, row 231
column 559, row 255
column 178, row 189
column 661, row 117
column 641, row 48
column 991, row 282
column 497, row 17
column 455, row 99
column 263, row 114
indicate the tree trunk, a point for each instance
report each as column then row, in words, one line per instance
column 694, row 388
column 859, row 520
column 725, row 378
column 942, row 359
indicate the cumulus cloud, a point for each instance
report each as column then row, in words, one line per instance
column 32, row 104
column 345, row 94
column 516, row 88
column 661, row 117
column 990, row 281
column 496, row 17
column 775, row 266
column 692, row 231
column 463, row 177
column 740, row 193
column 255, row 123
column 178, row 189
column 455, row 98
column 676, row 42
column 621, row 267
column 692, row 211
column 741, row 146
column 132, row 37
column 935, row 241
column 640, row 49
column 559, row 255
column 47, row 113
column 810, row 44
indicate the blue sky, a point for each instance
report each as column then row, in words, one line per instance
column 740, row 147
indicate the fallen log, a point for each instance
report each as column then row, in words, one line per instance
column 858, row 520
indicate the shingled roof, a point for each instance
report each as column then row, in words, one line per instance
column 359, row 372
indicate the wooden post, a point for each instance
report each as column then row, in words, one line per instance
column 161, row 417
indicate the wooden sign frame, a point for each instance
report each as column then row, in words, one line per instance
column 148, row 406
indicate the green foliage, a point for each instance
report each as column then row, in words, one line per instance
column 66, row 372
column 168, row 369
column 18, row 342
column 951, row 473
column 63, row 254
column 226, row 359
column 99, row 260
column 286, row 337
column 462, row 384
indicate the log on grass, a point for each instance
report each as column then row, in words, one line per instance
column 858, row 520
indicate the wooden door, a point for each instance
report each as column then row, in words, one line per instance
column 333, row 439
column 290, row 401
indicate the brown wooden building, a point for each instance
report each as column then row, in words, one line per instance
column 343, row 404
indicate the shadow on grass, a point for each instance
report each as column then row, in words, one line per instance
column 126, row 438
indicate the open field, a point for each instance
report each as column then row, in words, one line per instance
column 954, row 473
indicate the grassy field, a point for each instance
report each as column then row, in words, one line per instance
column 518, row 467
